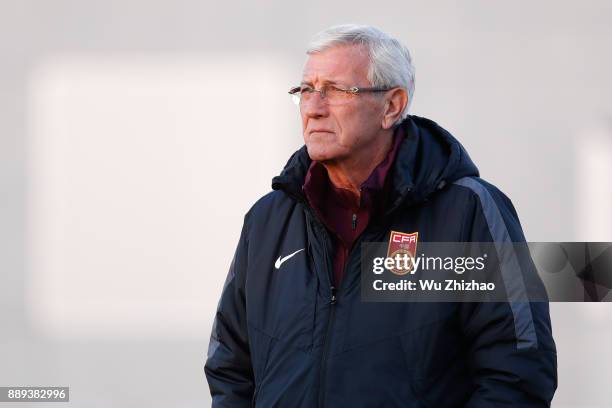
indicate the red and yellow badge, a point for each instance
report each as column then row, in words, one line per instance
column 404, row 245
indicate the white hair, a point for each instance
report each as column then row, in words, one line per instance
column 390, row 61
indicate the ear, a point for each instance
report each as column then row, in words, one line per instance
column 396, row 101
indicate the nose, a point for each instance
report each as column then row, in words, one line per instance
column 315, row 106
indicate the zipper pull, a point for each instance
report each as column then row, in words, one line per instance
column 354, row 221
column 333, row 295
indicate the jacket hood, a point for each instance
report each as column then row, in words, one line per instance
column 428, row 159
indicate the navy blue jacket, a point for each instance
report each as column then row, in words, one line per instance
column 286, row 338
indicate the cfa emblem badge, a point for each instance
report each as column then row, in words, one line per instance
column 402, row 244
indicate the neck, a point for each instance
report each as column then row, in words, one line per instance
column 351, row 172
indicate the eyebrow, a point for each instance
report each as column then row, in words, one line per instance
column 325, row 82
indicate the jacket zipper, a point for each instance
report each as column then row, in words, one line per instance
column 323, row 368
column 332, row 314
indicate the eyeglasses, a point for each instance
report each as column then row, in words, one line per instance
column 330, row 94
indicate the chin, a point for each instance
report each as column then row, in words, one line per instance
column 318, row 152
column 315, row 154
column 321, row 152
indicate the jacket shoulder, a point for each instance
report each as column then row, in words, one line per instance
column 270, row 201
column 270, row 207
column 486, row 192
column 494, row 206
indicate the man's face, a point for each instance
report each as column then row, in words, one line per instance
column 333, row 133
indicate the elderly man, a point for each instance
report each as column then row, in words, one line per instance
column 291, row 329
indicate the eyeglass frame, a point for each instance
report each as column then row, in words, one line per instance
column 354, row 90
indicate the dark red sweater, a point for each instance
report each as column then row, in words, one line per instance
column 343, row 213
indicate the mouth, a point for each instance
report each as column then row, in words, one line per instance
column 319, row 131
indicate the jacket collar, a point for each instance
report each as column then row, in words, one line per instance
column 428, row 158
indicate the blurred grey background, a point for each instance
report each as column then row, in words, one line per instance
column 131, row 132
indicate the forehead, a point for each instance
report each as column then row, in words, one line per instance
column 346, row 64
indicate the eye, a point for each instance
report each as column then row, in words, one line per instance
column 335, row 93
column 306, row 89
column 332, row 90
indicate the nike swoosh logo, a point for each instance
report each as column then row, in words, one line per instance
column 280, row 260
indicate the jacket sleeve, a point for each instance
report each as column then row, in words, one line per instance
column 228, row 365
column 513, row 359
